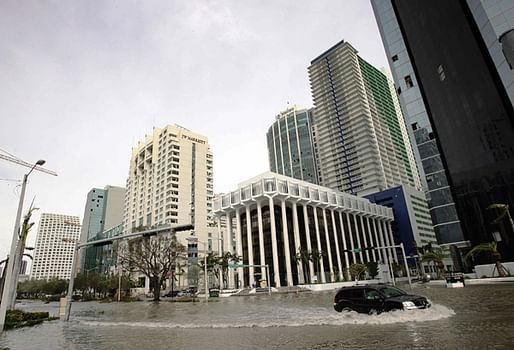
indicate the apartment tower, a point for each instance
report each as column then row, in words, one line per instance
column 56, row 238
column 361, row 138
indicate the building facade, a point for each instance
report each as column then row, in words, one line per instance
column 291, row 145
column 170, row 181
column 412, row 223
column 56, row 238
column 456, row 63
column 103, row 211
column 362, row 142
column 273, row 218
column 431, row 168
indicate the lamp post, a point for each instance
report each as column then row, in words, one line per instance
column 194, row 239
column 10, row 266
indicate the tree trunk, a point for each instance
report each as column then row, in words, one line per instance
column 501, row 269
column 156, row 288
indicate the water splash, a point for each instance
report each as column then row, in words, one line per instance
column 315, row 317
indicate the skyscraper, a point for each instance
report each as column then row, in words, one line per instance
column 456, row 87
column 55, row 246
column 291, row 146
column 170, row 181
column 103, row 211
column 362, row 142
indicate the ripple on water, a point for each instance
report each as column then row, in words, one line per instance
column 301, row 318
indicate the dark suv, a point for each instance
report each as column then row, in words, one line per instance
column 377, row 299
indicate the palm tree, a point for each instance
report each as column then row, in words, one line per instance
column 356, row 270
column 490, row 249
column 436, row 257
column 303, row 257
column 504, row 212
column 316, row 256
column 224, row 261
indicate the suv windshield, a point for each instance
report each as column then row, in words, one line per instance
column 392, row 292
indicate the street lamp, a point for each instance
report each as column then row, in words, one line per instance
column 10, row 266
column 194, row 239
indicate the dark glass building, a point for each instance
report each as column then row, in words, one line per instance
column 466, row 97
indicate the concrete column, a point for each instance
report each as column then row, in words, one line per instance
column 274, row 249
column 239, row 247
column 375, row 232
column 383, row 243
column 371, row 243
column 334, row 229
column 386, row 239
column 364, row 236
column 249, row 240
column 228, row 245
column 329, row 251
column 321, row 264
column 358, row 237
column 308, row 237
column 220, row 248
column 296, row 232
column 261, row 242
column 391, row 238
column 285, row 237
column 352, row 245
column 345, row 246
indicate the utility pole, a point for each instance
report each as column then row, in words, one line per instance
column 10, row 267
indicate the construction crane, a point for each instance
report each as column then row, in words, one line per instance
column 28, row 165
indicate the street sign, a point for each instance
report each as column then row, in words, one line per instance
column 236, row 266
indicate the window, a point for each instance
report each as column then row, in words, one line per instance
column 408, row 81
column 440, row 71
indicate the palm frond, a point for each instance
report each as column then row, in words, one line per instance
column 482, row 248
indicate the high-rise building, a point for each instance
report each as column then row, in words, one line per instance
column 456, row 88
column 362, row 142
column 170, row 181
column 103, row 211
column 291, row 145
column 56, row 238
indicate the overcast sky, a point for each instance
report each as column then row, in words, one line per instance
column 83, row 81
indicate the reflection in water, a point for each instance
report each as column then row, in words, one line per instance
column 476, row 316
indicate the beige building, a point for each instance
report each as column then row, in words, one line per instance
column 170, row 181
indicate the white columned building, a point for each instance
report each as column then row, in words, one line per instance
column 279, row 217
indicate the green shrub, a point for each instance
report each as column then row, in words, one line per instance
column 18, row 318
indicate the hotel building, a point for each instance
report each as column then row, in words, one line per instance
column 271, row 218
column 170, row 181
column 55, row 246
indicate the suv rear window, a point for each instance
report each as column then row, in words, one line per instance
column 351, row 293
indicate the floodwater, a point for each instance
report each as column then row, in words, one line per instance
column 475, row 317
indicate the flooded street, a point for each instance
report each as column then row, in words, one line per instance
column 473, row 317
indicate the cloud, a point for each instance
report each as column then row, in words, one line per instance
column 217, row 18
